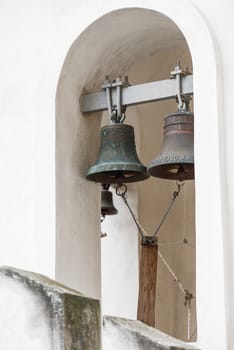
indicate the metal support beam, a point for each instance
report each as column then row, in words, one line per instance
column 138, row 94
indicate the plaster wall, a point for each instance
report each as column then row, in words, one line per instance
column 35, row 38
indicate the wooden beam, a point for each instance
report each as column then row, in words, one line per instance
column 147, row 284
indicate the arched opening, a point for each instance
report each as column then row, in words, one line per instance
column 121, row 43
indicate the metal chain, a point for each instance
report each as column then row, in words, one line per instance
column 121, row 191
column 174, row 196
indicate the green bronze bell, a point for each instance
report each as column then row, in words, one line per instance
column 176, row 158
column 117, row 161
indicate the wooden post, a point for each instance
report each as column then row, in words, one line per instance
column 147, row 281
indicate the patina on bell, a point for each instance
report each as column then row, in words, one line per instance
column 176, row 158
column 117, row 161
column 107, row 206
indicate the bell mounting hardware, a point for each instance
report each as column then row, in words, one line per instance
column 180, row 82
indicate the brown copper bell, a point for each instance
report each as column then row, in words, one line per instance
column 117, row 161
column 176, row 158
column 107, row 206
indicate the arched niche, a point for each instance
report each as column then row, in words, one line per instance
column 116, row 40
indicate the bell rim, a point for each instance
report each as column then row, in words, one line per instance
column 141, row 174
column 159, row 171
column 113, row 211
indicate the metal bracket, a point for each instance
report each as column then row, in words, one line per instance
column 138, row 94
column 183, row 99
column 117, row 110
column 149, row 241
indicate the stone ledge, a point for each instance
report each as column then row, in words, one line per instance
column 71, row 320
column 129, row 334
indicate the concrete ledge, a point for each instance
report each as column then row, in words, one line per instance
column 54, row 317
column 123, row 334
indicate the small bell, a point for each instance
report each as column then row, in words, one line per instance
column 176, row 158
column 117, row 161
column 107, row 206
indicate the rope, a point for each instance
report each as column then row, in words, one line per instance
column 170, row 242
column 176, row 279
column 179, row 241
column 187, row 295
column 189, row 323
column 193, row 334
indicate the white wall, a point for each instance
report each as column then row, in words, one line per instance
column 120, row 260
column 35, row 37
column 219, row 19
